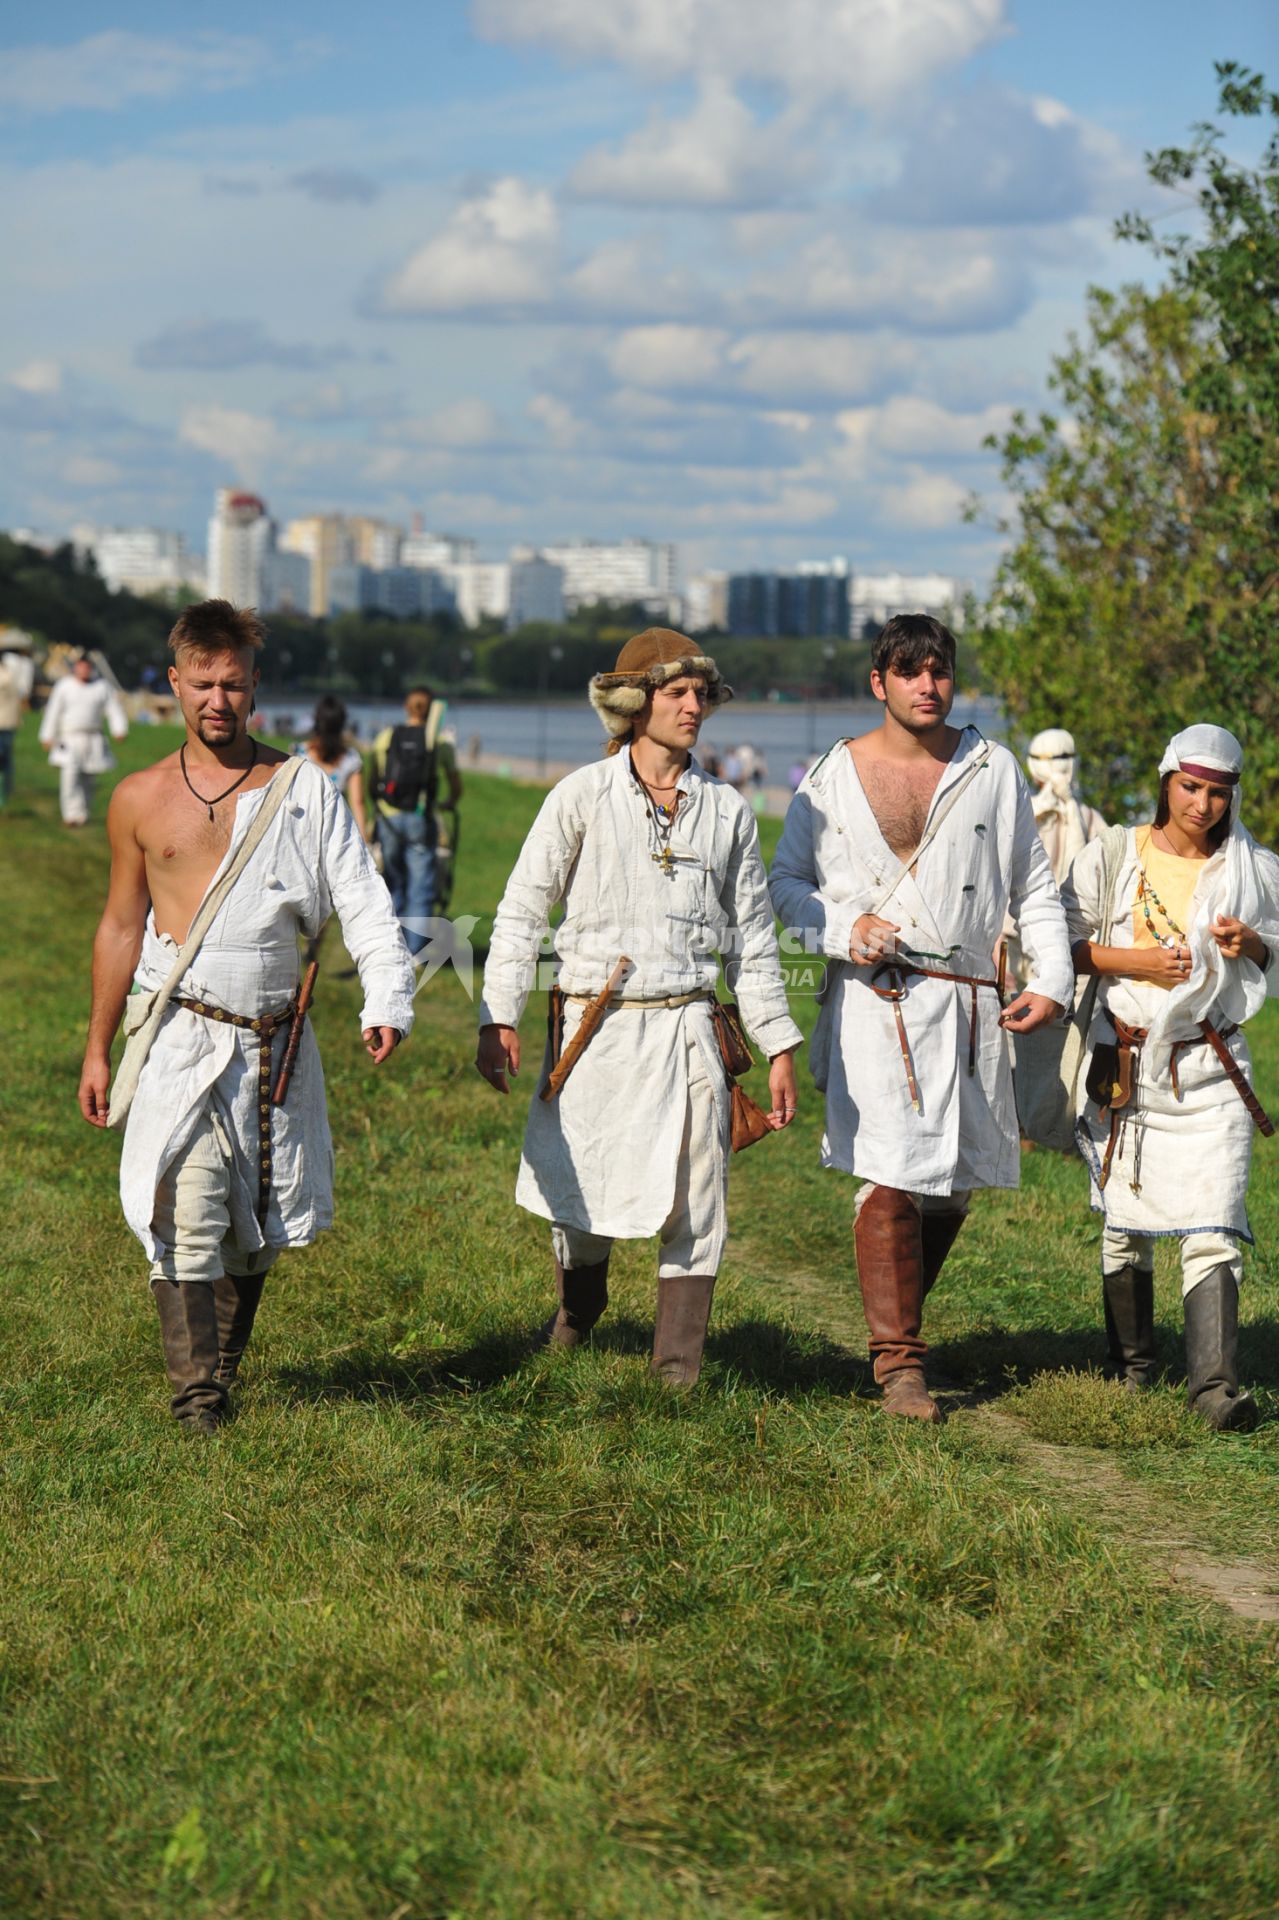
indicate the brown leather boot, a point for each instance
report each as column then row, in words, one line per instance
column 583, row 1296
column 236, row 1300
column 189, row 1334
column 888, row 1235
column 938, row 1232
column 679, row 1335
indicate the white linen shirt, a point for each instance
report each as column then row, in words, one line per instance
column 832, row 865
column 312, row 862
column 73, row 717
column 603, row 1156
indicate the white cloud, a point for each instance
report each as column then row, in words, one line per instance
column 717, row 157
column 496, row 250
column 994, row 157
column 866, row 280
column 909, row 426
column 557, row 421
column 244, row 440
column 89, row 470
column 805, row 369
column 463, row 423
column 109, row 70
column 630, row 278
column 928, row 502
column 859, row 50
column 38, row 376
column 668, row 356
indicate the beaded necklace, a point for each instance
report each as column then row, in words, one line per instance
column 661, row 820
column 1148, row 898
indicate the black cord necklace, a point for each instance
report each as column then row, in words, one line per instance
column 218, row 797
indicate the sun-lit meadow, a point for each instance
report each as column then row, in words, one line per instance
column 444, row 1625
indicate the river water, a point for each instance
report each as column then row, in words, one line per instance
column 558, row 734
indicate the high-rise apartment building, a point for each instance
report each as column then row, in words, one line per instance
column 876, row 597
column 705, row 603
column 537, row 591
column 481, row 589
column 375, row 543
column 326, row 540
column 240, row 534
column 646, row 571
column 810, row 602
column 286, row 582
column 140, row 559
column 419, row 549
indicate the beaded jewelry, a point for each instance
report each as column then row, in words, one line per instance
column 1147, row 896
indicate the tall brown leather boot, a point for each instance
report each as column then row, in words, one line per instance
column 583, row 1296
column 938, row 1232
column 888, row 1236
column 679, row 1335
column 189, row 1334
column 1128, row 1300
column 236, row 1299
column 1212, row 1339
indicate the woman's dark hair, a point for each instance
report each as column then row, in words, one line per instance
column 1163, row 814
column 329, row 726
column 911, row 641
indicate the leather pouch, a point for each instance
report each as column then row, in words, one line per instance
column 749, row 1122
column 1104, row 1081
column 730, row 1034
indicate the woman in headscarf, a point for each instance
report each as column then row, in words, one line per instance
column 1182, row 933
column 329, row 748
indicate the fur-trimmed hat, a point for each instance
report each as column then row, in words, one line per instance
column 649, row 660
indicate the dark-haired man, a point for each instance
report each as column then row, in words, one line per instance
column 902, row 852
column 214, row 1178
column 408, row 760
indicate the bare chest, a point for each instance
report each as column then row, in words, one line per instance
column 899, row 798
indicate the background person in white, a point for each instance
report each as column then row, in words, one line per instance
column 915, row 841
column 655, row 860
column 71, row 733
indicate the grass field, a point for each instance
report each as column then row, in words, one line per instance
column 442, row 1626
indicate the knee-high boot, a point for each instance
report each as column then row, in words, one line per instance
column 679, row 1334
column 938, row 1233
column 888, row 1236
column 1212, row 1340
column 236, row 1299
column 1129, row 1296
column 583, row 1296
column 189, row 1333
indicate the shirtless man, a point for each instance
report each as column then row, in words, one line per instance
column 902, row 853
column 214, row 1179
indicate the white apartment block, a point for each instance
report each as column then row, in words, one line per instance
column 631, row 570
column 420, row 549
column 537, row 591
column 240, row 535
column 705, row 603
column 481, row 589
column 874, row 598
column 140, row 559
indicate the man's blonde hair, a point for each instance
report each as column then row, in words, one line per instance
column 215, row 626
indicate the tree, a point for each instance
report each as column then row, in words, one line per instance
column 1141, row 589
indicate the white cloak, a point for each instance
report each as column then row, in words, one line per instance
column 1181, row 1157
column 311, row 863
column 72, row 723
column 833, row 865
column 603, row 1155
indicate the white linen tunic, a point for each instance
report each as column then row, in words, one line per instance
column 1181, row 1157
column 832, row 865
column 311, row 862
column 73, row 719
column 603, row 1156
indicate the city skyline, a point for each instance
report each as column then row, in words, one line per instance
column 753, row 282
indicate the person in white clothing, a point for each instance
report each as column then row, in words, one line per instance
column 71, row 733
column 1066, row 823
column 215, row 1179
column 1182, row 935
column 655, row 862
column 901, row 855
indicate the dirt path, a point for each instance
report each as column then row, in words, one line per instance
column 1095, row 1488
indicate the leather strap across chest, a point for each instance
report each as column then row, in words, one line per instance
column 896, row 971
column 265, row 1026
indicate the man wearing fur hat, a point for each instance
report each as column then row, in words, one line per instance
column 656, row 862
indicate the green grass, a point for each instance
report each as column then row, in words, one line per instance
column 443, row 1626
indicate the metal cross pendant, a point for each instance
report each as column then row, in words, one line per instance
column 666, row 861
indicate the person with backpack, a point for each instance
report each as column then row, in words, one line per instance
column 407, row 762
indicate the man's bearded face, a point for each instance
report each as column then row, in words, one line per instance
column 215, row 692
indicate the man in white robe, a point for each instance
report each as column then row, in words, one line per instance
column 71, row 733
column 652, row 860
column 1183, row 940
column 901, row 855
column 214, row 1179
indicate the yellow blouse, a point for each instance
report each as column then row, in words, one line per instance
column 1173, row 879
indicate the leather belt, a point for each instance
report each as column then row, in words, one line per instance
column 266, row 1026
column 897, row 971
column 1130, row 1040
column 669, row 1000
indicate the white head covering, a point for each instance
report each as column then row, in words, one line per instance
column 1050, row 761
column 1240, row 879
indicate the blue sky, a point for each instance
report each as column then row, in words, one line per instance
column 753, row 277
